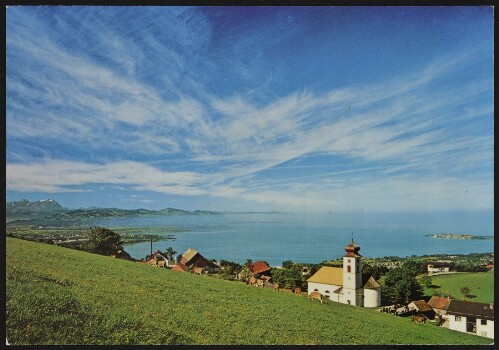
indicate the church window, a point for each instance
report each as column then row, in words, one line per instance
column 349, row 269
column 327, row 291
column 316, row 290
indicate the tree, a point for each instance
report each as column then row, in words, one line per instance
column 169, row 253
column 465, row 291
column 287, row 264
column 415, row 267
column 103, row 241
column 426, row 281
column 287, row 278
column 401, row 286
column 374, row 270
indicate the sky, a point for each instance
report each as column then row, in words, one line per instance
column 296, row 109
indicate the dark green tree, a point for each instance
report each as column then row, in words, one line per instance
column 103, row 241
column 426, row 281
column 401, row 287
column 414, row 266
column 287, row 278
column 374, row 270
column 465, row 291
column 170, row 253
column 287, row 264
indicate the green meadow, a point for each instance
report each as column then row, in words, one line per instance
column 481, row 285
column 57, row 295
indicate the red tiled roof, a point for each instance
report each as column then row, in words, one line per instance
column 258, row 267
column 490, row 266
column 437, row 302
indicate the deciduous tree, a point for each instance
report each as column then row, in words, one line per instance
column 103, row 241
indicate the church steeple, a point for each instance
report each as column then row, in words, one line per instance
column 352, row 249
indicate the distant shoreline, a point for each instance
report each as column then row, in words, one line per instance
column 457, row 236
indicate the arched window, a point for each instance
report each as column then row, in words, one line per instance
column 349, row 269
column 316, row 290
column 327, row 291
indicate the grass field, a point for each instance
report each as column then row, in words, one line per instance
column 480, row 283
column 61, row 296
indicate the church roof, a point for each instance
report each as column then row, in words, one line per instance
column 352, row 250
column 369, row 282
column 328, row 275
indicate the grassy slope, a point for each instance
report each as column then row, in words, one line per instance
column 61, row 296
column 480, row 283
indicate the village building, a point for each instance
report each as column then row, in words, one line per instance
column 347, row 284
column 471, row 317
column 258, row 269
column 193, row 259
column 158, row 259
column 439, row 305
column 121, row 254
column 421, row 307
column 437, row 267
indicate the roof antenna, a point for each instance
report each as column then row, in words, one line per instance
column 352, row 237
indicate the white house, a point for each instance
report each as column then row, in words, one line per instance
column 437, row 267
column 471, row 317
column 347, row 284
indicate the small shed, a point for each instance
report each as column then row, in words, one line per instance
column 421, row 307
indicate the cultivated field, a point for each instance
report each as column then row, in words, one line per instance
column 481, row 285
column 61, row 296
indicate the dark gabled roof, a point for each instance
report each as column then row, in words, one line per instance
column 471, row 309
column 437, row 302
column 421, row 305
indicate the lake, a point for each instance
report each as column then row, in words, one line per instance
column 312, row 238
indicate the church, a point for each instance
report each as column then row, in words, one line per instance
column 347, row 284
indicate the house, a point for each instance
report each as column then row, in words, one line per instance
column 437, row 267
column 121, row 254
column 471, row 317
column 258, row 269
column 192, row 258
column 439, row 305
column 347, row 284
column 421, row 307
column 158, row 259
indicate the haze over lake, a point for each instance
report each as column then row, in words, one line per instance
column 312, row 238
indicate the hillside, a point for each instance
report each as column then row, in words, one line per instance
column 64, row 296
column 481, row 285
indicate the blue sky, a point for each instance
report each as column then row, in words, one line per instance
column 335, row 109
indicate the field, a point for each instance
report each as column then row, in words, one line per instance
column 481, row 285
column 61, row 296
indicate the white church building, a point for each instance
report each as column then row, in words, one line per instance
column 346, row 284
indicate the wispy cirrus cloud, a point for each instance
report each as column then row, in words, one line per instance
column 150, row 111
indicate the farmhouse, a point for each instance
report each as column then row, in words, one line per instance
column 439, row 304
column 193, row 259
column 471, row 317
column 347, row 284
column 158, row 259
column 437, row 267
column 258, row 269
column 421, row 307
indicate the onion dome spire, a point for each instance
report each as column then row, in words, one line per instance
column 352, row 249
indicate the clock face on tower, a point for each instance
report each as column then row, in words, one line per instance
column 348, row 260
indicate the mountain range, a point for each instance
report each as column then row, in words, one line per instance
column 48, row 212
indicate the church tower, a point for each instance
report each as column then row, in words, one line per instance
column 352, row 276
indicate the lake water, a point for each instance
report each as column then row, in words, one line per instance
column 312, row 238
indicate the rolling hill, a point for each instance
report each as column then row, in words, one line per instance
column 62, row 296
